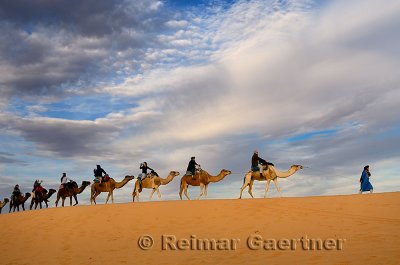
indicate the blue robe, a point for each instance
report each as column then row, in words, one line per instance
column 365, row 184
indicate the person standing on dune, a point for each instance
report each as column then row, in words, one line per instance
column 364, row 180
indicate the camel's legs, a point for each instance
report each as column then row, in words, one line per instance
column 94, row 197
column 158, row 193
column 108, row 197
column 62, row 201
column 185, row 190
column 76, row 199
column 266, row 188
column 277, row 187
column 201, row 191
column 205, row 190
column 245, row 184
column 112, row 197
column 251, row 188
column 70, row 200
column 152, row 192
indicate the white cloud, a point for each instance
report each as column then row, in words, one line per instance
column 268, row 72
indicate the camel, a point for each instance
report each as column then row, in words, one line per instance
column 71, row 192
column 16, row 201
column 153, row 182
column 202, row 179
column 41, row 197
column 109, row 187
column 269, row 174
column 3, row 203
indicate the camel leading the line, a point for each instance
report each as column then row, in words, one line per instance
column 109, row 187
column 153, row 182
column 202, row 179
column 71, row 192
column 3, row 203
column 270, row 174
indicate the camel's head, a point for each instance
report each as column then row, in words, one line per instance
column 85, row 183
column 226, row 172
column 27, row 195
column 6, row 200
column 129, row 177
column 297, row 167
column 174, row 173
column 51, row 191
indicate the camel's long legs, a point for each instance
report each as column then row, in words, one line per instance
column 201, row 191
column 277, row 187
column 112, row 196
column 108, row 197
column 185, row 190
column 251, row 188
column 246, row 182
column 76, row 199
column 158, row 193
column 266, row 188
column 152, row 192
column 205, row 190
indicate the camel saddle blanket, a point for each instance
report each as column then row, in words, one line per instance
column 106, row 178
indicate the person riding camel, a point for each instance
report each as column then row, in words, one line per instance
column 98, row 173
column 37, row 188
column 191, row 169
column 257, row 163
column 16, row 192
column 144, row 167
column 64, row 181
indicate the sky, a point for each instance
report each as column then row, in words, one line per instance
column 120, row 82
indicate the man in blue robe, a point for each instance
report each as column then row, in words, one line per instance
column 364, row 180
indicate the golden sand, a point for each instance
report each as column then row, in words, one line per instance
column 353, row 229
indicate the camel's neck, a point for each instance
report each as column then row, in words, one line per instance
column 284, row 174
column 119, row 185
column 81, row 189
column 48, row 195
column 217, row 178
column 167, row 180
column 25, row 198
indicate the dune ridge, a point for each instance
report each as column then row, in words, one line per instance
column 368, row 224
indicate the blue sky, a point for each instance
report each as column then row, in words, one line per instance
column 117, row 83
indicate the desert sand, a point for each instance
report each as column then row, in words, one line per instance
column 356, row 229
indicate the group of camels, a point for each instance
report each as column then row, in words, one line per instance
column 202, row 179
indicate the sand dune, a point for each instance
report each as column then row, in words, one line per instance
column 367, row 228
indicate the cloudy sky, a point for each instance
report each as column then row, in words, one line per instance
column 120, row 82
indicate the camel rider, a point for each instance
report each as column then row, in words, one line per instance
column 144, row 167
column 16, row 192
column 191, row 169
column 98, row 173
column 64, row 181
column 257, row 163
column 37, row 187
